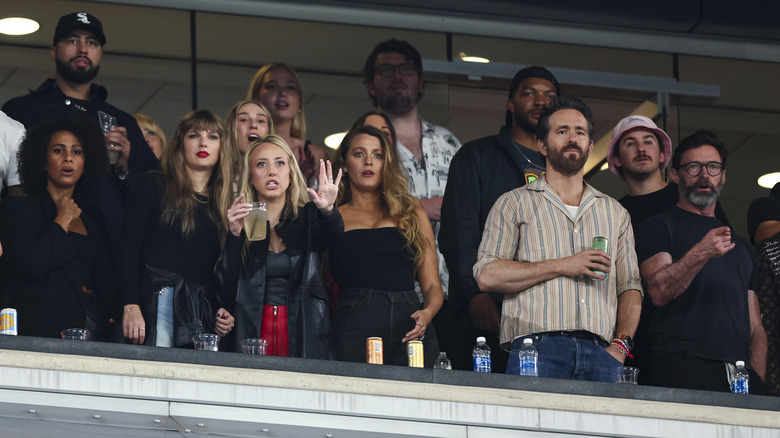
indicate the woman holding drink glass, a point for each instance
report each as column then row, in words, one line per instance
column 57, row 272
column 270, row 266
column 388, row 243
column 172, row 237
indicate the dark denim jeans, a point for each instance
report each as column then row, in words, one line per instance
column 567, row 357
column 365, row 313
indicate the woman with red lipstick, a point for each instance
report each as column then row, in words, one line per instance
column 274, row 284
column 247, row 122
column 57, row 271
column 172, row 236
column 277, row 87
column 387, row 244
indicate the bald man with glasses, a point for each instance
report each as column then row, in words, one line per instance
column 701, row 277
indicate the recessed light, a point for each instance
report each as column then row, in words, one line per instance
column 604, row 166
column 478, row 59
column 18, row 26
column 334, row 140
column 769, row 180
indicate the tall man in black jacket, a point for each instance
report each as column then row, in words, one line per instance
column 480, row 172
column 77, row 52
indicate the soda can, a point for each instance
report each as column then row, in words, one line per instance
column 415, row 352
column 8, row 324
column 600, row 243
column 374, row 350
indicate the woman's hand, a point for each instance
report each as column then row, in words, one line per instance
column 422, row 318
column 327, row 190
column 133, row 324
column 236, row 214
column 67, row 212
column 225, row 322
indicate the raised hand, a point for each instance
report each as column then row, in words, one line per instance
column 717, row 242
column 327, row 190
column 67, row 212
column 236, row 214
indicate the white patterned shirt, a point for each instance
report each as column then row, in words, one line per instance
column 438, row 148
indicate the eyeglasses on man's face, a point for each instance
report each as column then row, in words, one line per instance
column 714, row 168
column 387, row 70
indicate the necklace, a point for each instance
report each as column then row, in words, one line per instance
column 196, row 197
column 517, row 146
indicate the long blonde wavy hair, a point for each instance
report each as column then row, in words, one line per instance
column 295, row 196
column 396, row 201
column 298, row 128
column 231, row 134
column 180, row 199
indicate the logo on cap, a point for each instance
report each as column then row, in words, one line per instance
column 83, row 17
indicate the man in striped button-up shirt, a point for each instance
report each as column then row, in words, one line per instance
column 536, row 249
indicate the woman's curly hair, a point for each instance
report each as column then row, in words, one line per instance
column 33, row 150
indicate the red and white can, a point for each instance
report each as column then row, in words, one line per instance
column 8, row 324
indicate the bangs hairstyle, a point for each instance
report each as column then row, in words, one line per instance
column 298, row 128
column 395, row 199
column 231, row 140
column 148, row 123
column 179, row 204
column 32, row 155
column 296, row 195
column 362, row 121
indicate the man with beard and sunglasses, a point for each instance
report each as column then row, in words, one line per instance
column 77, row 52
column 536, row 250
column 481, row 171
column 701, row 276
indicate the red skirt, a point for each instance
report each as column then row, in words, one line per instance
column 274, row 330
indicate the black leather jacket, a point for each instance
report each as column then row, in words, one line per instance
column 193, row 305
column 242, row 281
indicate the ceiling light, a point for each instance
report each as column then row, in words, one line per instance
column 334, row 140
column 18, row 26
column 478, row 59
column 604, row 166
column 769, row 180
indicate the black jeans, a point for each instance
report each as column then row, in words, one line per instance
column 365, row 313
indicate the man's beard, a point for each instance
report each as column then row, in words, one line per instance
column 397, row 104
column 566, row 165
column 701, row 199
column 79, row 75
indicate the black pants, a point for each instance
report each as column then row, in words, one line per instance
column 686, row 371
column 365, row 313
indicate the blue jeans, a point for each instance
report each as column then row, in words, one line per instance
column 365, row 313
column 165, row 318
column 568, row 357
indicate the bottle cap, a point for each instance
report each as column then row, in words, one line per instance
column 740, row 363
column 481, row 339
column 528, row 341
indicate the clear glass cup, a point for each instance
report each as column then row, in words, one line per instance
column 255, row 222
column 630, row 375
column 206, row 341
column 76, row 334
column 254, row 346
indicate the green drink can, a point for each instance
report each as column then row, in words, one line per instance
column 600, row 243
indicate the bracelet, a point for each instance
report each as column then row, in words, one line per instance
column 622, row 346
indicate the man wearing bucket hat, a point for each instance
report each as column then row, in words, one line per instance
column 638, row 154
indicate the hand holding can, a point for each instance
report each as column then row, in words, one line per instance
column 600, row 243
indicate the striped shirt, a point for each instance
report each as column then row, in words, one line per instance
column 532, row 224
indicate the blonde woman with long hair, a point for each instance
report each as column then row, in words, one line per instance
column 280, row 273
column 247, row 122
column 172, row 236
column 387, row 244
column 278, row 88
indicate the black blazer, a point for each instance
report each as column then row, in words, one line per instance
column 39, row 271
column 242, row 281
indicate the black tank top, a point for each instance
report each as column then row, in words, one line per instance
column 277, row 278
column 373, row 259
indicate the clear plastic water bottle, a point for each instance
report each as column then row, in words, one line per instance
column 442, row 362
column 529, row 358
column 481, row 355
column 741, row 382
